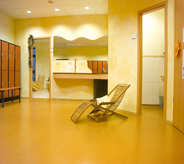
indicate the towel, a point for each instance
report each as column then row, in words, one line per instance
column 103, row 99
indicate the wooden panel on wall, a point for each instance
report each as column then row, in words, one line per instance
column 4, row 55
column 100, row 67
column 17, row 58
column 11, row 81
column 104, row 66
column 5, row 82
column 17, row 82
column 11, row 56
column 95, row 67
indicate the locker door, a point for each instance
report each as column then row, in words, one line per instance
column 4, row 56
column 4, row 67
column 95, row 65
column 17, row 82
column 5, row 82
column 104, row 66
column 11, row 67
column 17, row 69
column 100, row 67
column 17, row 58
column 11, row 81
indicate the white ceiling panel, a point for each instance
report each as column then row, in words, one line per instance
column 41, row 10
column 70, row 8
column 15, row 12
column 6, row 5
column 19, row 4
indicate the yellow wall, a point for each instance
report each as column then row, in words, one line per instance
column 6, row 28
column 123, row 50
column 42, row 59
column 68, row 27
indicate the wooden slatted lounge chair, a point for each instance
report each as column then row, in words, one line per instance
column 38, row 85
column 103, row 109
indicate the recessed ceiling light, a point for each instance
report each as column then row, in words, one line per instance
column 86, row 7
column 28, row 11
column 56, row 9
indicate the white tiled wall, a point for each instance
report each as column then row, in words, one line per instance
column 152, row 85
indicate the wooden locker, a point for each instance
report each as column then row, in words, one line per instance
column 11, row 67
column 11, row 81
column 90, row 65
column 100, row 67
column 95, row 67
column 104, row 66
column 4, row 62
column 17, row 82
column 17, row 69
column 17, row 58
column 4, row 56
column 11, row 57
column 5, row 82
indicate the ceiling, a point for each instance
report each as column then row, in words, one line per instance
column 17, row 9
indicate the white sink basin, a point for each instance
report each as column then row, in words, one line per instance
column 162, row 77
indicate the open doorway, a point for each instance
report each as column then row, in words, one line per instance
column 152, row 60
column 153, row 54
column 41, row 68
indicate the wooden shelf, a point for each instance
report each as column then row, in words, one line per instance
column 80, row 76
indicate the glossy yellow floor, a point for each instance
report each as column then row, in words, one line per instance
column 40, row 132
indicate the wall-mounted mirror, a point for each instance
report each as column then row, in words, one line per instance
column 88, row 56
column 81, row 48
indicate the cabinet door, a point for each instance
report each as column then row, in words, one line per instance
column 11, row 67
column 17, row 82
column 17, row 58
column 104, row 66
column 95, row 67
column 11, row 57
column 100, row 67
column 4, row 56
column 4, row 61
column 11, row 81
column 5, row 82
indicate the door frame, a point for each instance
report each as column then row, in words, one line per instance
column 139, row 56
column 30, row 68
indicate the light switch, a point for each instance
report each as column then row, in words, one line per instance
column 57, row 62
column 134, row 35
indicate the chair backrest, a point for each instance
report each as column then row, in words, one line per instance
column 119, row 92
column 40, row 81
